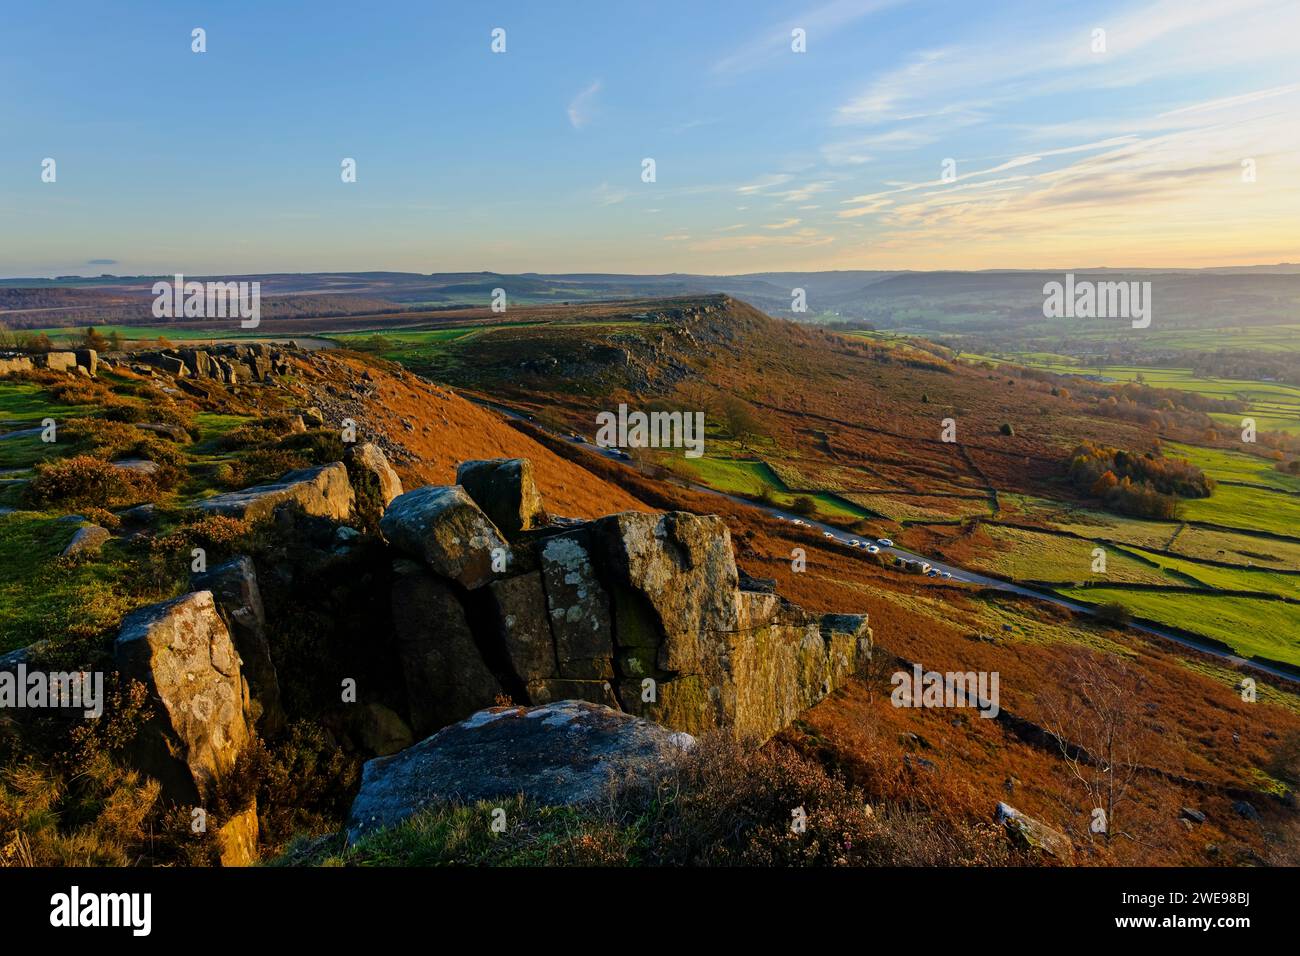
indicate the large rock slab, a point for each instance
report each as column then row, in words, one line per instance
column 182, row 652
column 504, row 488
column 443, row 527
column 578, row 606
column 324, row 492
column 557, row 754
column 446, row 678
column 370, row 458
column 239, row 599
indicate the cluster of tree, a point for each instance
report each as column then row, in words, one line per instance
column 23, row 341
column 1145, row 485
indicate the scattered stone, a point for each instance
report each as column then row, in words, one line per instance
column 559, row 754
column 139, row 466
column 87, row 540
column 1245, row 810
column 1028, row 833
column 174, row 432
column 1194, row 816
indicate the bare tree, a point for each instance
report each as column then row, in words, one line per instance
column 1096, row 716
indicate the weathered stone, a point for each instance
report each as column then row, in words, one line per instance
column 505, row 490
column 86, row 540
column 182, row 652
column 370, row 458
column 578, row 608
column 522, row 621
column 560, row 754
column 57, row 361
column 444, row 528
column 446, row 678
column 322, row 492
column 238, row 598
column 87, row 359
column 11, row 364
column 1030, row 834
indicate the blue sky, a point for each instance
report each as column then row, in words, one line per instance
column 1062, row 155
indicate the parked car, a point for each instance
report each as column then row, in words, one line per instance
column 873, row 549
column 885, row 542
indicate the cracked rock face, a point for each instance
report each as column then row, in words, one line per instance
column 557, row 754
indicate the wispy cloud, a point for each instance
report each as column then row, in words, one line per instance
column 819, row 23
column 582, row 105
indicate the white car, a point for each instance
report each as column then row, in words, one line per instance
column 827, row 534
column 885, row 542
column 853, row 543
column 872, row 549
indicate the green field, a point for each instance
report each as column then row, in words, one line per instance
column 1235, row 466
column 1252, row 509
column 1274, row 406
column 1041, row 556
column 752, row 477
column 1247, row 625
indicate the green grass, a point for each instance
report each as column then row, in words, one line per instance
column 1249, row 626
column 1039, row 556
column 752, row 477
column 1229, row 579
column 1252, row 509
column 45, row 598
column 1224, row 465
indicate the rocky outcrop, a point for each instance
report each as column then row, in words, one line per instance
column 645, row 613
column 368, row 457
column 504, row 488
column 323, row 492
column 226, row 364
column 558, row 755
column 239, row 600
column 81, row 361
column 182, row 652
column 444, row 528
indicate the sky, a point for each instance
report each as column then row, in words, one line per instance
column 904, row 135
